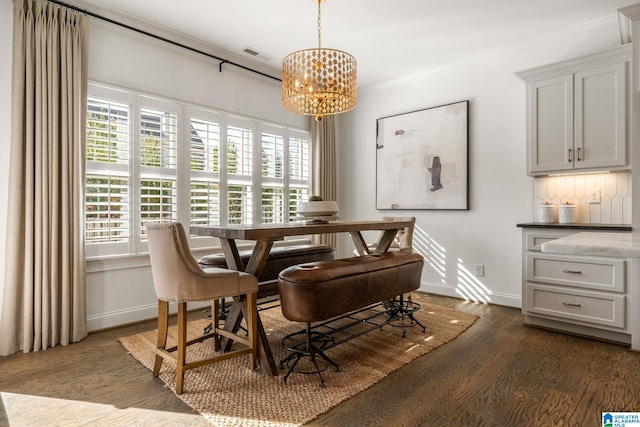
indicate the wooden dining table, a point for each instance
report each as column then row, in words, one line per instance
column 264, row 235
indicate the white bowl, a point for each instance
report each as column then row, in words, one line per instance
column 323, row 208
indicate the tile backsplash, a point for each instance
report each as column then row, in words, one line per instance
column 615, row 196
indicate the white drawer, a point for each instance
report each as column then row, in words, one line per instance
column 574, row 304
column 607, row 274
column 537, row 238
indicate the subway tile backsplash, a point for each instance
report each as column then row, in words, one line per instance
column 615, row 196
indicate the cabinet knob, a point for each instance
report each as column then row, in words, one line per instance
column 564, row 270
column 570, row 158
column 579, row 159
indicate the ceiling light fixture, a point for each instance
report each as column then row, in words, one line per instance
column 319, row 82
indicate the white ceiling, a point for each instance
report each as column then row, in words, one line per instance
column 390, row 39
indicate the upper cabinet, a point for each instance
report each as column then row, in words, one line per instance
column 577, row 114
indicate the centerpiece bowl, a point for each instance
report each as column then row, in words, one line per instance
column 317, row 209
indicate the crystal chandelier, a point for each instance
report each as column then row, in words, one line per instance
column 318, row 81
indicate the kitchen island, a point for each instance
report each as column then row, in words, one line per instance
column 585, row 283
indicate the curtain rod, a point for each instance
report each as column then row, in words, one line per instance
column 146, row 33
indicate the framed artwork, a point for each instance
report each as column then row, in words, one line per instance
column 422, row 159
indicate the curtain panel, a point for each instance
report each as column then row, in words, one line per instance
column 44, row 302
column 323, row 155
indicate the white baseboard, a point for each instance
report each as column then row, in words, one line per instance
column 453, row 291
column 132, row 315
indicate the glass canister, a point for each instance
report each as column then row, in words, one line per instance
column 547, row 213
column 567, row 213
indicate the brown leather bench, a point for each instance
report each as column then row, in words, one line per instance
column 279, row 258
column 321, row 290
column 332, row 291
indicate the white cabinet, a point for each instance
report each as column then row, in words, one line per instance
column 585, row 295
column 577, row 114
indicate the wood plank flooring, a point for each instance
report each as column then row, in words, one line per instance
column 499, row 372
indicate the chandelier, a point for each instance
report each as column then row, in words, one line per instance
column 319, row 82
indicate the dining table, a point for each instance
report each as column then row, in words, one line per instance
column 264, row 236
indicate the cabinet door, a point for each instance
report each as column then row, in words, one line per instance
column 551, row 124
column 600, row 117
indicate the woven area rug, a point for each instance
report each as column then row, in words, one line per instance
column 230, row 394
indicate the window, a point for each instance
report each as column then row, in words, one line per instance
column 205, row 171
column 157, row 149
column 273, row 203
column 151, row 159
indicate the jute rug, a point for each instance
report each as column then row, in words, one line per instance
column 230, row 394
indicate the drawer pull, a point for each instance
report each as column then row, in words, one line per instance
column 564, row 270
column 569, row 304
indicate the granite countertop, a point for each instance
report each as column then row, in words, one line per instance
column 624, row 245
column 605, row 227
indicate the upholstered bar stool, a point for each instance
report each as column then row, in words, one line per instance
column 178, row 278
column 403, row 242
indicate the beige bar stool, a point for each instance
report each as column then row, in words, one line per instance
column 178, row 278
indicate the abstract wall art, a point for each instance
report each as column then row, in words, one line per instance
column 422, row 159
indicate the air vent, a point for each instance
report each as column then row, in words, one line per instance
column 257, row 54
column 251, row 52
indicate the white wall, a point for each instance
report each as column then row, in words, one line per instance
column 501, row 195
column 126, row 58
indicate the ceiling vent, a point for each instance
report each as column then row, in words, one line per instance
column 257, row 54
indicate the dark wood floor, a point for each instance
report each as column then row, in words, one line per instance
column 499, row 372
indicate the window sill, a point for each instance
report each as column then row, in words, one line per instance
column 129, row 261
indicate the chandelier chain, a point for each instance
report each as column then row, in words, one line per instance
column 319, row 26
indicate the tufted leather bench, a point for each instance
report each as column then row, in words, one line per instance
column 321, row 290
column 279, row 258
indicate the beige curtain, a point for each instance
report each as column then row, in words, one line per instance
column 323, row 143
column 44, row 300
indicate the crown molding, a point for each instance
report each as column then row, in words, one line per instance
column 610, row 56
column 631, row 11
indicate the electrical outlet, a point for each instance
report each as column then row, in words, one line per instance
column 480, row 270
column 594, row 196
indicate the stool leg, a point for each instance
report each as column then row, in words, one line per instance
column 404, row 311
column 215, row 305
column 182, row 346
column 297, row 357
column 163, row 324
column 252, row 326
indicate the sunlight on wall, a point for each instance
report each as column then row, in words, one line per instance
column 469, row 287
column 434, row 254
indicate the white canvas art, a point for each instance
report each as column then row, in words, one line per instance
column 421, row 159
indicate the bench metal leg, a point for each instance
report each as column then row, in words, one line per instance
column 311, row 350
column 313, row 341
column 222, row 315
column 402, row 309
